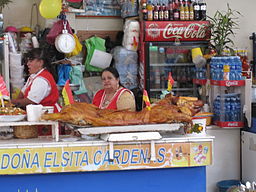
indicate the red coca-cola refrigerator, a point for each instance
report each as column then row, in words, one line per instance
column 165, row 46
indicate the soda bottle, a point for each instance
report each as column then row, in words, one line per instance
column 161, row 55
column 191, row 10
column 150, row 8
column 196, row 11
column 182, row 11
column 186, row 10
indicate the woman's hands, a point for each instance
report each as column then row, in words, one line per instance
column 22, row 103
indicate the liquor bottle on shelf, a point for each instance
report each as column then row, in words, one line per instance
column 144, row 11
column 191, row 10
column 171, row 7
column 182, row 11
column 150, row 8
column 176, row 11
column 196, row 11
column 156, row 13
column 202, row 10
column 186, row 10
column 166, row 13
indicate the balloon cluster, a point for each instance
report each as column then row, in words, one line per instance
column 50, row 9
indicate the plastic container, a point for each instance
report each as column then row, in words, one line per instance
column 204, row 115
column 224, row 185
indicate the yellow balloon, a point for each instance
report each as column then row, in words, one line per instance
column 50, row 9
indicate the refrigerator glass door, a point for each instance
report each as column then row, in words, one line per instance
column 167, row 57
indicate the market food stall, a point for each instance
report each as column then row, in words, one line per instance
column 179, row 163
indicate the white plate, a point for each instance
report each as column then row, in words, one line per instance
column 12, row 117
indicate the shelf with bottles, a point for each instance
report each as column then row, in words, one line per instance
column 182, row 76
column 168, row 10
column 227, row 109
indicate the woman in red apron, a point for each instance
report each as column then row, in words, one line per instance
column 40, row 87
column 113, row 95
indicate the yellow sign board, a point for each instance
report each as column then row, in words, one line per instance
column 96, row 158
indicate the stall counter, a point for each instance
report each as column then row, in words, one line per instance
column 42, row 164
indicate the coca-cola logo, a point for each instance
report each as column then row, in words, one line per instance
column 194, row 30
column 231, row 83
column 153, row 30
column 235, row 124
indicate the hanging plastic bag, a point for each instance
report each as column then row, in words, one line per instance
column 76, row 77
column 92, row 44
column 63, row 73
column 77, row 49
column 56, row 30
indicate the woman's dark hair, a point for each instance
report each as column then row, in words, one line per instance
column 41, row 54
column 114, row 72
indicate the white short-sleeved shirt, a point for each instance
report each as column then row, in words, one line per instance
column 40, row 88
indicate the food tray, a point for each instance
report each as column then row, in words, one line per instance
column 130, row 128
column 11, row 118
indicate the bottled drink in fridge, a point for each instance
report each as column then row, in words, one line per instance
column 161, row 55
column 153, row 54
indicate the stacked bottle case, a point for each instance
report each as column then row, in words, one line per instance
column 227, row 88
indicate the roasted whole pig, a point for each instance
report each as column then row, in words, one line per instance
column 88, row 114
column 187, row 105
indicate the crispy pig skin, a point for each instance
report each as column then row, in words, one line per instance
column 88, row 114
